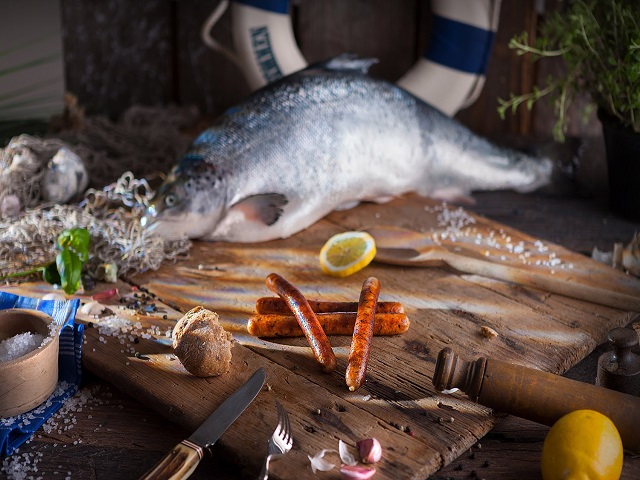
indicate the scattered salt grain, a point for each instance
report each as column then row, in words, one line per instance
column 19, row 345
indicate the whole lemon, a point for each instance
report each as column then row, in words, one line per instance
column 582, row 445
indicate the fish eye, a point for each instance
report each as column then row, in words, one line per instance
column 170, row 200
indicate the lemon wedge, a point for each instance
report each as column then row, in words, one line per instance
column 346, row 253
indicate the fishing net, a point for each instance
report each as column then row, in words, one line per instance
column 121, row 160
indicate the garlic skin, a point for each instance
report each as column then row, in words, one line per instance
column 631, row 256
column 319, row 463
column 54, row 296
column 354, row 472
column 345, row 456
column 370, row 450
column 92, row 308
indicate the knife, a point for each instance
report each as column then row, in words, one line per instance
column 184, row 458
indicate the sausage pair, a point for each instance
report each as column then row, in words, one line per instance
column 363, row 324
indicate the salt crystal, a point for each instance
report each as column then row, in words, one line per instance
column 19, row 345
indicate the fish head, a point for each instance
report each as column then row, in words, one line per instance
column 189, row 203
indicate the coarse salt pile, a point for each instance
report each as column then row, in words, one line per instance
column 452, row 222
column 19, row 345
column 23, row 463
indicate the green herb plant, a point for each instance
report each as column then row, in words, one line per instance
column 66, row 270
column 599, row 42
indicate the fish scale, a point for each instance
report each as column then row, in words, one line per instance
column 321, row 139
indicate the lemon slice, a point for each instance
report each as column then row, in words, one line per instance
column 346, row 253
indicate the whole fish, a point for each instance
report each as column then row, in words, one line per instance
column 325, row 138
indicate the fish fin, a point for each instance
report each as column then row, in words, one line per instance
column 265, row 207
column 347, row 62
column 453, row 195
column 347, row 205
column 381, row 200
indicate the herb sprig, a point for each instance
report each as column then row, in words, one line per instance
column 600, row 44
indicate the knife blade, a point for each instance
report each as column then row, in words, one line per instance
column 182, row 461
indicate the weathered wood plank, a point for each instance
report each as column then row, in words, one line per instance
column 445, row 308
column 118, row 53
column 506, row 73
column 535, row 328
column 383, row 29
column 205, row 78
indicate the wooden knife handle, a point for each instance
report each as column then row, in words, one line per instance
column 178, row 463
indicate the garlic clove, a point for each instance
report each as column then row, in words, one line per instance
column 354, row 472
column 370, row 450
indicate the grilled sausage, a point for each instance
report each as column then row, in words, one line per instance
column 310, row 325
column 337, row 323
column 275, row 305
column 362, row 334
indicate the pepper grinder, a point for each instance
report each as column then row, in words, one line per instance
column 619, row 369
column 536, row 395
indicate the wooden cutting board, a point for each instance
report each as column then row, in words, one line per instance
column 419, row 428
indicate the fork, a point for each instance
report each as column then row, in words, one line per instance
column 279, row 443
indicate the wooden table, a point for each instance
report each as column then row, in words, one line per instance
column 113, row 436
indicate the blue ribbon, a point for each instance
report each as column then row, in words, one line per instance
column 459, row 46
column 275, row 6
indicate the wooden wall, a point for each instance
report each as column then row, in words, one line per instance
column 121, row 52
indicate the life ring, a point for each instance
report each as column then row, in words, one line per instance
column 450, row 75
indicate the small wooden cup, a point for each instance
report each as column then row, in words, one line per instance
column 27, row 381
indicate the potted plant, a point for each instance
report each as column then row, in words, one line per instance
column 599, row 41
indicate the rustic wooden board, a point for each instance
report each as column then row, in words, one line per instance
column 535, row 328
column 397, row 404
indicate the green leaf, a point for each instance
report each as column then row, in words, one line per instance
column 70, row 269
column 51, row 275
column 74, row 252
column 77, row 240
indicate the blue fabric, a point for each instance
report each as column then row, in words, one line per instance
column 459, row 46
column 275, row 6
column 14, row 431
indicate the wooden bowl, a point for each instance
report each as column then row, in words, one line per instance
column 27, row 381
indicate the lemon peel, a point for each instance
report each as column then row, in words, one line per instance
column 346, row 253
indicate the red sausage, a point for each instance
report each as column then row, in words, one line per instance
column 310, row 325
column 335, row 323
column 362, row 333
column 275, row 305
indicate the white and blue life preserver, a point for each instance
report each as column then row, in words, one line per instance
column 449, row 76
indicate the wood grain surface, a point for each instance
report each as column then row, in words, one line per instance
column 397, row 403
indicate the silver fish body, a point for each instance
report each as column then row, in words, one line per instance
column 325, row 138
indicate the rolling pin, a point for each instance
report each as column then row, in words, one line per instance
column 536, row 395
